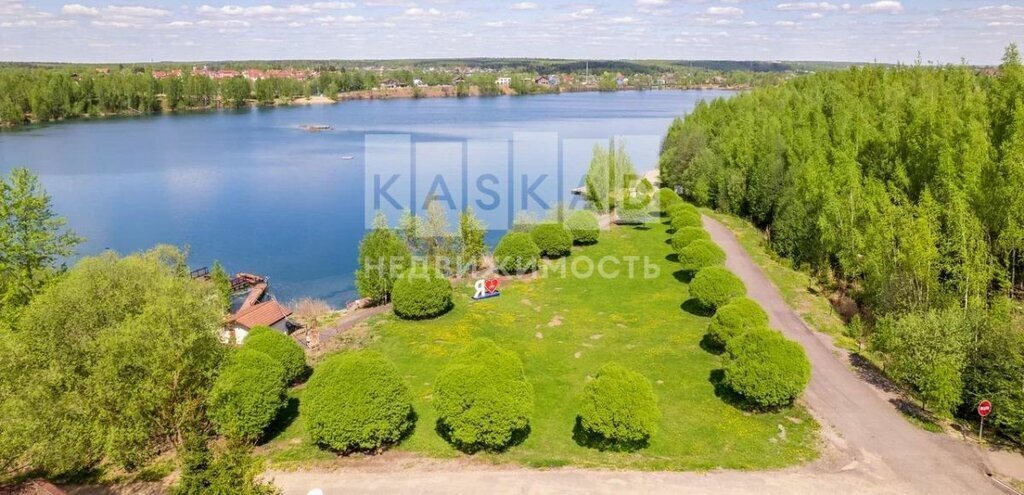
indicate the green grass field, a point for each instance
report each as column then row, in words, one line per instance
column 565, row 329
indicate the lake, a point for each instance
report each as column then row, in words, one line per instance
column 253, row 190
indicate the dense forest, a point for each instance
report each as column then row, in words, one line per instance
column 903, row 189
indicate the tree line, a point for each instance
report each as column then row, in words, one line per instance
column 903, row 189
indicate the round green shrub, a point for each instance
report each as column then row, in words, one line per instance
column 685, row 218
column 684, row 236
column 248, row 393
column 516, row 253
column 356, row 401
column 680, row 208
column 619, row 409
column 713, row 287
column 700, row 254
column 482, row 398
column 279, row 346
column 583, row 226
column 633, row 211
column 667, row 198
column 766, row 369
column 739, row 316
column 553, row 240
column 421, row 292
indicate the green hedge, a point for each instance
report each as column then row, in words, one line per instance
column 482, row 398
column 356, row 401
column 619, row 409
column 739, row 316
column 421, row 292
column 516, row 253
column 685, row 218
column 715, row 286
column 667, row 198
column 281, row 347
column 700, row 254
column 633, row 211
column 583, row 226
column 553, row 240
column 684, row 236
column 766, row 369
column 248, row 393
column 681, row 208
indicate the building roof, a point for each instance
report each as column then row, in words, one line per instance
column 265, row 313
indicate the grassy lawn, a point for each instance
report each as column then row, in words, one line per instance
column 565, row 329
column 797, row 287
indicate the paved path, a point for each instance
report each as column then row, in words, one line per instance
column 871, row 432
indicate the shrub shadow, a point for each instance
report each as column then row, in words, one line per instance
column 519, row 436
column 697, row 309
column 285, row 417
column 673, row 257
column 592, row 440
column 684, row 276
column 710, row 346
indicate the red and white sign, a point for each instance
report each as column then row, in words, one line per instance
column 984, row 408
column 486, row 288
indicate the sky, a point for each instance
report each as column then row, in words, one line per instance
column 939, row 31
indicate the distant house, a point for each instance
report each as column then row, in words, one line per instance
column 254, row 306
column 389, row 84
column 458, row 80
column 503, row 81
column 553, row 80
column 418, row 83
column 542, row 81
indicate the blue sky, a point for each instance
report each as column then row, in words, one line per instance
column 155, row 30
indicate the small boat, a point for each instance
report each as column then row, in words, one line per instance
column 348, row 157
column 316, row 127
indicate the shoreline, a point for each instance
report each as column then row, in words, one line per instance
column 366, row 94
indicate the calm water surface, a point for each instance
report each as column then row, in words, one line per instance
column 251, row 189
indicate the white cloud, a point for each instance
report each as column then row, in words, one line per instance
column 524, row 6
column 134, row 11
column 79, row 9
column 418, row 12
column 883, row 7
column 814, row 6
column 786, row 24
column 651, row 2
column 725, row 11
column 582, row 13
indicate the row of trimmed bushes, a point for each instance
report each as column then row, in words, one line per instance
column 760, row 364
column 250, row 389
column 358, row 401
column 423, row 292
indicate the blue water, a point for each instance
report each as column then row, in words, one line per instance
column 251, row 189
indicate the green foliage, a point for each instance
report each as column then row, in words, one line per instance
column 231, row 470
column 247, row 395
column 281, row 348
column 995, row 369
column 766, row 369
column 422, row 292
column 927, row 352
column 739, row 316
column 471, row 233
column 235, row 92
column 32, row 238
column 222, row 283
column 633, row 210
column 382, row 257
column 121, row 353
column 619, row 409
column 700, row 254
column 715, row 286
column 684, row 236
column 553, row 240
column 610, row 178
column 667, row 198
column 482, row 398
column 356, row 401
column 684, row 218
column 583, row 226
column 679, row 208
column 516, row 253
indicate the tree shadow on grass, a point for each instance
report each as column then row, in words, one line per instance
column 285, row 417
column 444, row 431
column 589, row 439
column 697, row 309
column 711, row 347
column 673, row 257
column 684, row 276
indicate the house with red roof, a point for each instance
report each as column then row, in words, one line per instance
column 254, row 306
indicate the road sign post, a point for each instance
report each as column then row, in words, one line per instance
column 984, row 409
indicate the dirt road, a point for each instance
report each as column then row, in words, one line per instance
column 878, row 441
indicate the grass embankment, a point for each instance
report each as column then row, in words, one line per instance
column 798, row 288
column 565, row 329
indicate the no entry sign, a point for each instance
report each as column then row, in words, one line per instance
column 984, row 408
